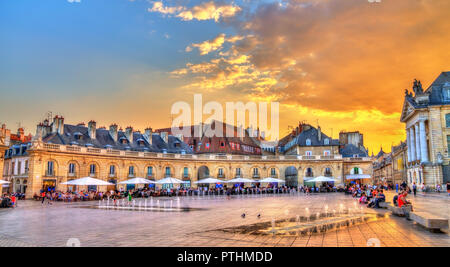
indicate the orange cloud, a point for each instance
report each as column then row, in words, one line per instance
column 205, row 11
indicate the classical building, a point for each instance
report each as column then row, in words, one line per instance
column 426, row 115
column 61, row 152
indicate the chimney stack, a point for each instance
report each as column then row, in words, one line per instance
column 165, row 137
column 129, row 134
column 149, row 135
column 319, row 133
column 55, row 125
column 113, row 132
column 61, row 125
column 92, row 129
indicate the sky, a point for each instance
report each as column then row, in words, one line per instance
column 340, row 64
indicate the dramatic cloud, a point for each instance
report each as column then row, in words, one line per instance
column 214, row 44
column 348, row 60
column 204, row 11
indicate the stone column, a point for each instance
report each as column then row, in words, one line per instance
column 408, row 143
column 416, row 131
column 412, row 148
column 423, row 141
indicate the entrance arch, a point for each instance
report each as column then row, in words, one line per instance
column 291, row 176
column 203, row 172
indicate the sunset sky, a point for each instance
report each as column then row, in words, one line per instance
column 342, row 63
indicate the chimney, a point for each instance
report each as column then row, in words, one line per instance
column 61, row 125
column 149, row 135
column 39, row 132
column 165, row 137
column 319, row 133
column 55, row 125
column 258, row 134
column 129, row 134
column 113, row 132
column 92, row 129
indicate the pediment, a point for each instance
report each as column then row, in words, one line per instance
column 407, row 110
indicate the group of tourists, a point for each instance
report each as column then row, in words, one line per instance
column 8, row 201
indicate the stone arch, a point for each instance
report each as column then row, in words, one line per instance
column 251, row 174
column 154, row 171
column 116, row 169
column 164, row 171
column 189, row 173
column 135, row 169
column 291, row 176
column 203, row 172
column 309, row 172
column 77, row 170
column 56, row 166
column 269, row 171
column 356, row 170
column 328, row 171
column 216, row 172
column 97, row 169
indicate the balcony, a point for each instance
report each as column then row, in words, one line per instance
column 93, row 175
column 131, row 175
column 220, row 175
column 112, row 175
column 49, row 174
column 71, row 174
column 256, row 175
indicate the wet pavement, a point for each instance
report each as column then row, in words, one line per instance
column 33, row 224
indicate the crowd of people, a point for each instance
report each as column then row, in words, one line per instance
column 373, row 195
column 370, row 195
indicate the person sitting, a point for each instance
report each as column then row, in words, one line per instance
column 363, row 199
column 395, row 199
column 402, row 202
column 379, row 198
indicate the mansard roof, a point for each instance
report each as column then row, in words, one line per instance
column 434, row 95
column 350, row 150
column 104, row 140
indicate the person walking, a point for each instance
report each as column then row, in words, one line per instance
column 396, row 188
column 414, row 188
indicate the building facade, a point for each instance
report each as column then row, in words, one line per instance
column 60, row 152
column 426, row 115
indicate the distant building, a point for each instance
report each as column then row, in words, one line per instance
column 426, row 114
column 390, row 167
column 201, row 143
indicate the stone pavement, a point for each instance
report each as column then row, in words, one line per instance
column 34, row 224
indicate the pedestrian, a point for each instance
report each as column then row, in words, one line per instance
column 396, row 188
column 414, row 188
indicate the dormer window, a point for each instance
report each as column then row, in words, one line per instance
column 308, row 142
column 446, row 91
column 326, row 141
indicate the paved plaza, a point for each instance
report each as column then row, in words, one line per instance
column 32, row 224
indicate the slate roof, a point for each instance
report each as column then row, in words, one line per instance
column 17, row 151
column 350, row 150
column 313, row 135
column 435, row 91
column 199, row 144
column 104, row 140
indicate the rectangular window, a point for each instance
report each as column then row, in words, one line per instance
column 447, row 120
column 92, row 169
column 448, row 144
column 220, row 172
column 19, row 167
column 238, row 172
column 150, row 171
column 273, row 172
column 131, row 170
column 50, row 168
column 185, row 172
column 71, row 168
column 112, row 169
column 167, row 171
